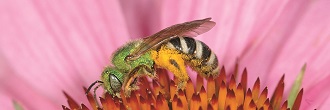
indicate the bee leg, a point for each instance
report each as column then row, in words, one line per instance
column 177, row 67
column 129, row 89
column 130, row 84
column 172, row 61
column 148, row 71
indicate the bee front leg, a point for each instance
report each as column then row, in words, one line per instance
column 131, row 82
column 150, row 72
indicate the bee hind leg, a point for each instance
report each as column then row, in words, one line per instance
column 173, row 62
column 179, row 71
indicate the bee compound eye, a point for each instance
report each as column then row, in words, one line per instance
column 115, row 83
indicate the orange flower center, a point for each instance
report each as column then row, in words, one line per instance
column 217, row 95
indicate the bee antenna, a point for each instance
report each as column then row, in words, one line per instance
column 90, row 87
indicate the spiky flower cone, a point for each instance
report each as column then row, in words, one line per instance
column 219, row 94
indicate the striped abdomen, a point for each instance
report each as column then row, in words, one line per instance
column 199, row 55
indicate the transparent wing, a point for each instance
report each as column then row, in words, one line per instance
column 188, row 29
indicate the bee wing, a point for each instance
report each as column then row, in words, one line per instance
column 189, row 29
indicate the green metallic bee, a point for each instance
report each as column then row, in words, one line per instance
column 172, row 48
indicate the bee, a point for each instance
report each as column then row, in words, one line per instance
column 172, row 49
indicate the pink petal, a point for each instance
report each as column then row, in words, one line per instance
column 142, row 17
column 317, row 96
column 26, row 95
column 6, row 101
column 325, row 105
column 55, row 46
column 293, row 40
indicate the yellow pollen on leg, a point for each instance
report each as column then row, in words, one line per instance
column 172, row 60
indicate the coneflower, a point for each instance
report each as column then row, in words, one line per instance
column 50, row 46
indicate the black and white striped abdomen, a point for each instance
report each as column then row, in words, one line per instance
column 205, row 60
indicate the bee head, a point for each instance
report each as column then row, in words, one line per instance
column 112, row 80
